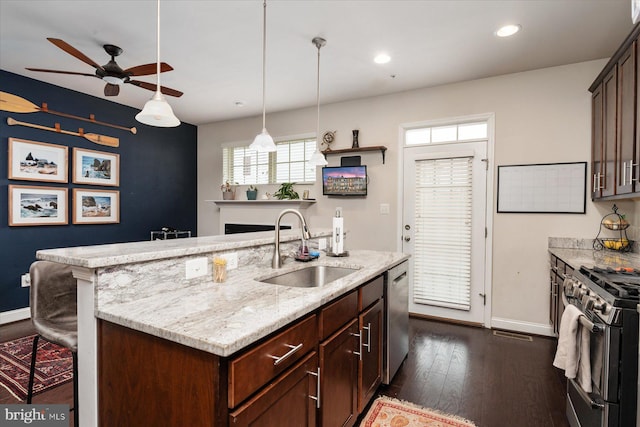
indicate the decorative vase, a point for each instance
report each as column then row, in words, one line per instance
column 252, row 194
column 355, row 133
column 228, row 195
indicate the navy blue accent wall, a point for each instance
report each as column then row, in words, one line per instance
column 158, row 182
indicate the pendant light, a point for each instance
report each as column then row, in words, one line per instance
column 317, row 158
column 157, row 111
column 263, row 141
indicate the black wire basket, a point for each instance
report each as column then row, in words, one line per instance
column 615, row 226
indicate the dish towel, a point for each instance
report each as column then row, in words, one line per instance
column 573, row 350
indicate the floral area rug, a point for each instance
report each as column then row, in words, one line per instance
column 389, row 412
column 54, row 366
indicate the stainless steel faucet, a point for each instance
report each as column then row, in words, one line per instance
column 277, row 259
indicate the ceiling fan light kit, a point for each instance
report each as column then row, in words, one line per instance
column 157, row 111
column 263, row 142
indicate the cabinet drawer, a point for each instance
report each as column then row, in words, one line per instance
column 337, row 314
column 253, row 369
column 370, row 292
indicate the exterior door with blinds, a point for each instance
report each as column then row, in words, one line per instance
column 444, row 229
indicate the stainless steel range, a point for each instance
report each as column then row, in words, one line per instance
column 608, row 298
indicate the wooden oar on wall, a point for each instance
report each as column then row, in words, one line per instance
column 93, row 137
column 15, row 104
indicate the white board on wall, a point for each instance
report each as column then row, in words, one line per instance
column 543, row 188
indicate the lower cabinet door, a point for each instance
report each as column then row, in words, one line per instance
column 286, row 402
column 339, row 377
column 370, row 372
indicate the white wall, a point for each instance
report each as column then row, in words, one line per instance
column 542, row 116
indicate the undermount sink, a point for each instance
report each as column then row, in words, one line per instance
column 310, row 277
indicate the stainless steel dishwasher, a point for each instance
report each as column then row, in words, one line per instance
column 396, row 310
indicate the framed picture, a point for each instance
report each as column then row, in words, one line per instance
column 37, row 161
column 96, row 206
column 31, row 205
column 96, row 167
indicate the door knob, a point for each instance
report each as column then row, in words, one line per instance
column 407, row 238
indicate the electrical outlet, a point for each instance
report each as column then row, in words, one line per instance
column 384, row 209
column 25, row 280
column 232, row 259
column 195, row 268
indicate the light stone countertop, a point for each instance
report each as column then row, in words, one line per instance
column 580, row 252
column 223, row 318
column 141, row 285
column 135, row 252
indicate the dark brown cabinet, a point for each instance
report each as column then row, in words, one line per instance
column 370, row 361
column 626, row 149
column 287, row 402
column 558, row 271
column 339, row 377
column 615, row 154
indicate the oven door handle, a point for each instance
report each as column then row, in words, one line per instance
column 592, row 327
column 595, row 403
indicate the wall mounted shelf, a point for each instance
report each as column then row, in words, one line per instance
column 380, row 148
column 300, row 203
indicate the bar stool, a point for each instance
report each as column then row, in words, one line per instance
column 54, row 314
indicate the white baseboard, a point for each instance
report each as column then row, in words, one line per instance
column 14, row 315
column 523, row 327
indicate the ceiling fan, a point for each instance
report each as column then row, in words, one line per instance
column 111, row 73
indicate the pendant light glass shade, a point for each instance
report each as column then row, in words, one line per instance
column 157, row 111
column 317, row 158
column 263, row 141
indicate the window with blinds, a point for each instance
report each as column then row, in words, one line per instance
column 289, row 163
column 442, row 239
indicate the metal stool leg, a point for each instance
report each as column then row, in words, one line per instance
column 32, row 371
column 76, row 416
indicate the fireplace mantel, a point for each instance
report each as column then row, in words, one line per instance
column 300, row 203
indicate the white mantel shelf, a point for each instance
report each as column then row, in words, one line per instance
column 300, row 203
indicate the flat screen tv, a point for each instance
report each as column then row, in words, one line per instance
column 344, row 181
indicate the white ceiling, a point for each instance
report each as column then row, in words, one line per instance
column 215, row 46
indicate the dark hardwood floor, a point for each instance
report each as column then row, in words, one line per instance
column 491, row 380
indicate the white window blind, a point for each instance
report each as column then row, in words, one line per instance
column 442, row 263
column 289, row 163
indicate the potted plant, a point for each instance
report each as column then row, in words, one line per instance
column 286, row 191
column 228, row 191
column 252, row 193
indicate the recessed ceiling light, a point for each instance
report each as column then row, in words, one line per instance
column 508, row 30
column 382, row 58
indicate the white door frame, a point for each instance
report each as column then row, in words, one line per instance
column 488, row 267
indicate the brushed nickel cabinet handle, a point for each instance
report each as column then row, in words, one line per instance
column 279, row 359
column 317, row 396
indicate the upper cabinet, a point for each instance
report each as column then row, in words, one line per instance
column 615, row 153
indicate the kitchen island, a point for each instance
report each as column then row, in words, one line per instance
column 140, row 290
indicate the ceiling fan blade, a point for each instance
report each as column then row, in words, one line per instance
column 74, row 52
column 61, row 72
column 111, row 90
column 151, row 86
column 148, row 69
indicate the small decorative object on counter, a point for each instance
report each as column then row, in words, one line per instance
column 613, row 229
column 219, row 269
column 252, row 193
column 355, row 143
column 228, row 191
